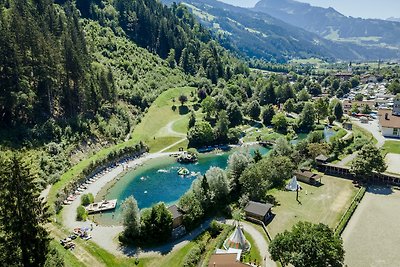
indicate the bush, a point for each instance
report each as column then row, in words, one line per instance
column 193, row 257
column 87, row 199
column 215, row 228
column 234, row 135
column 81, row 213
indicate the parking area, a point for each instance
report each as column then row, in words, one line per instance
column 393, row 162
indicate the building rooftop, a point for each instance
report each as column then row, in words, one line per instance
column 308, row 174
column 389, row 120
column 225, row 260
column 321, row 158
column 258, row 208
column 175, row 211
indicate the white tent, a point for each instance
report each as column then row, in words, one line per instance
column 237, row 240
column 293, row 185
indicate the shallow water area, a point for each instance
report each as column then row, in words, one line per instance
column 158, row 180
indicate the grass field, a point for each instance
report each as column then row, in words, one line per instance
column 392, row 146
column 325, row 204
column 358, row 130
column 163, row 126
column 254, row 253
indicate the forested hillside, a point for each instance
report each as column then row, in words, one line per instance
column 56, row 75
column 254, row 33
column 171, row 32
column 70, row 85
column 46, row 70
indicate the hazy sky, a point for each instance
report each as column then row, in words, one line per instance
column 357, row 8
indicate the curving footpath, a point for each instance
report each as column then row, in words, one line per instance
column 260, row 240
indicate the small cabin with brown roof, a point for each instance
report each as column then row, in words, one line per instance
column 308, row 177
column 259, row 211
column 322, row 159
column 177, row 216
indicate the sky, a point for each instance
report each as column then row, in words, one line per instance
column 382, row 9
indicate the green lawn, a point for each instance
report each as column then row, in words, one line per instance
column 358, row 130
column 392, row 146
column 264, row 133
column 325, row 204
column 160, row 114
column 176, row 258
column 254, row 253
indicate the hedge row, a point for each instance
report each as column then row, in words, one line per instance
column 350, row 211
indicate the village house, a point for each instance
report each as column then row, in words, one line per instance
column 389, row 120
column 348, row 104
column 344, row 75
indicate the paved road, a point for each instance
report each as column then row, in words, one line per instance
column 347, row 159
column 373, row 128
column 260, row 240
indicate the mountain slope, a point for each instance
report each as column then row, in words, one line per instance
column 256, row 34
column 330, row 24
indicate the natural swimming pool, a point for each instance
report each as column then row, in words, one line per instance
column 158, row 180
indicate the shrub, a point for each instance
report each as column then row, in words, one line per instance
column 215, row 228
column 234, row 135
column 193, row 257
column 81, row 213
column 87, row 199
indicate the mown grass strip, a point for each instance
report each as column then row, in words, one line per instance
column 350, row 211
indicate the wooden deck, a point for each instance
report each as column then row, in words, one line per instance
column 101, row 206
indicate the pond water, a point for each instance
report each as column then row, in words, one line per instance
column 158, row 181
column 329, row 133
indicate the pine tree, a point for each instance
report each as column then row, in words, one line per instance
column 23, row 239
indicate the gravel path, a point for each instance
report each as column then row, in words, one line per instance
column 347, row 159
column 260, row 241
column 169, row 129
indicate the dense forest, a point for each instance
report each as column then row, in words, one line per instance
column 49, row 68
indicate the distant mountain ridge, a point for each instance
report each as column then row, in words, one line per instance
column 257, row 34
column 330, row 24
column 393, row 19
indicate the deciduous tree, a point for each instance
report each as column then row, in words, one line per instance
column 308, row 245
column 280, row 122
column 131, row 218
column 268, row 114
column 369, row 159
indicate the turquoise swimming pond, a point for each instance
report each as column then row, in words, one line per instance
column 158, row 180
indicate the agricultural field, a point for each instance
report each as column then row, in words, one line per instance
column 325, row 204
